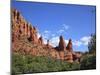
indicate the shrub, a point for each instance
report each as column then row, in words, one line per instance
column 22, row 64
column 92, row 44
column 88, row 62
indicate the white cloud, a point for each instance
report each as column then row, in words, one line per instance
column 85, row 40
column 54, row 41
column 45, row 41
column 53, row 35
column 46, row 34
column 77, row 43
column 66, row 41
column 65, row 27
column 46, row 31
column 38, row 35
column 61, row 31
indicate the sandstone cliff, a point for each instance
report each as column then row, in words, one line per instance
column 62, row 45
column 25, row 41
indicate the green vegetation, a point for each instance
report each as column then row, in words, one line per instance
column 92, row 45
column 88, row 62
column 29, row 64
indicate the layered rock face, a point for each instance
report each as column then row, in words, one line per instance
column 40, row 41
column 24, row 37
column 69, row 46
column 66, row 52
column 21, row 28
column 62, row 45
column 26, row 41
column 48, row 44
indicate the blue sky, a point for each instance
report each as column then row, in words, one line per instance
column 52, row 20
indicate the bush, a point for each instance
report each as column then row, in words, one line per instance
column 92, row 44
column 22, row 64
column 88, row 62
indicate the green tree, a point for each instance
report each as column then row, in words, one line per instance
column 92, row 44
column 88, row 62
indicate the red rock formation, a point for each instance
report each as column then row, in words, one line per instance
column 40, row 41
column 34, row 35
column 22, row 28
column 26, row 30
column 48, row 43
column 62, row 45
column 15, row 25
column 77, row 56
column 69, row 46
column 29, row 31
column 69, row 57
column 25, row 41
column 61, row 54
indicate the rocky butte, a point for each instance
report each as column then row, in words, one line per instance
column 26, row 41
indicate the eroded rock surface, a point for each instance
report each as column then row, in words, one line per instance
column 25, row 41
